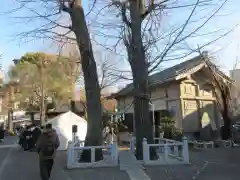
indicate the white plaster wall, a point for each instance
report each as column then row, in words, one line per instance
column 159, row 104
column 173, row 91
column 158, row 93
column 190, row 116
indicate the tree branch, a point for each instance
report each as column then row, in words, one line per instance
column 124, row 16
column 152, row 6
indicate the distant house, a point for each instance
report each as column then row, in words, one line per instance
column 185, row 90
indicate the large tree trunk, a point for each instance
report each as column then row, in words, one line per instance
column 10, row 119
column 139, row 68
column 223, row 95
column 43, row 110
column 92, row 89
column 73, row 99
column 10, row 111
column 42, row 94
column 226, row 133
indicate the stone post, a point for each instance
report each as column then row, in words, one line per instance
column 145, row 150
column 185, row 153
column 69, row 155
column 114, row 151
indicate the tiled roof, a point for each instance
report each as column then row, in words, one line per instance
column 165, row 75
column 169, row 74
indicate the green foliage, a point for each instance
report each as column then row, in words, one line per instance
column 58, row 75
column 167, row 122
column 169, row 129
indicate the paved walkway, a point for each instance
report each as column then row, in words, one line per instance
column 9, row 140
column 15, row 164
column 221, row 164
column 129, row 163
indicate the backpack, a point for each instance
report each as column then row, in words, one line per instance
column 48, row 149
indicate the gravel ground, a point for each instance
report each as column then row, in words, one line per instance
column 209, row 164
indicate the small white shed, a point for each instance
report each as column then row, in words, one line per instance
column 63, row 125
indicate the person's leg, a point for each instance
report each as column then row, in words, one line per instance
column 24, row 144
column 27, row 144
column 30, row 144
column 50, row 165
column 43, row 164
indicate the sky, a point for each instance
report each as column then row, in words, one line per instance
column 226, row 50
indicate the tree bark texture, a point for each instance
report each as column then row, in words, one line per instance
column 10, row 119
column 92, row 89
column 139, row 68
column 42, row 95
column 226, row 133
column 223, row 102
column 10, row 110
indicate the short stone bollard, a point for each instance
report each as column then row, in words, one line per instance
column 114, row 152
column 69, row 155
column 185, row 153
column 145, row 150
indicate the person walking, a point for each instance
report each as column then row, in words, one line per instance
column 1, row 133
column 27, row 135
column 20, row 142
column 35, row 135
column 47, row 145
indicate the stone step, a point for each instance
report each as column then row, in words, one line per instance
column 128, row 160
column 132, row 166
column 137, row 174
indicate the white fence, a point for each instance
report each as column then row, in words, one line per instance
column 168, row 151
column 78, row 142
column 203, row 144
column 74, row 151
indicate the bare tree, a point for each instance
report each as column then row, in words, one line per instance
column 148, row 45
column 94, row 109
column 140, row 29
column 51, row 12
column 222, row 90
column 235, row 91
column 108, row 72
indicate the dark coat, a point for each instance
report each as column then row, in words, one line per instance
column 35, row 134
column 45, row 137
column 1, row 134
column 27, row 135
